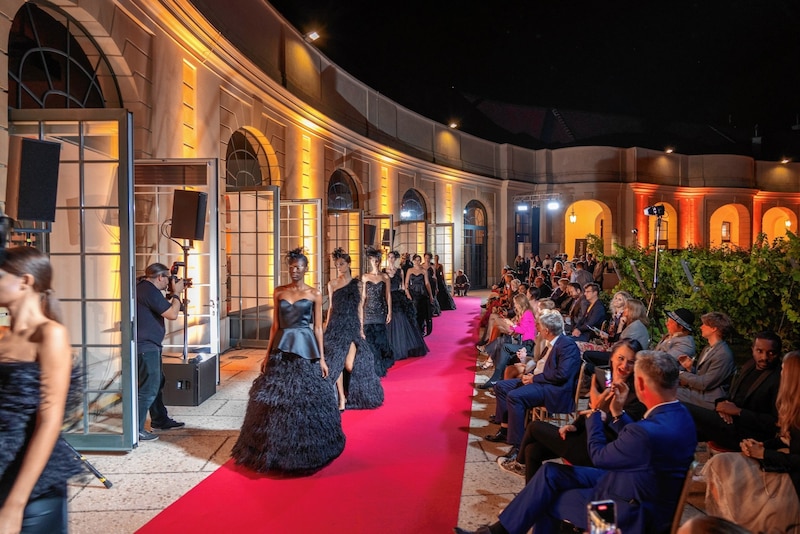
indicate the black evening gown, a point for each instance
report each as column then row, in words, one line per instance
column 404, row 334
column 20, row 397
column 422, row 302
column 375, row 330
column 292, row 423
column 444, row 297
column 363, row 387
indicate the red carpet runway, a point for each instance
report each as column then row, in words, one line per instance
column 401, row 470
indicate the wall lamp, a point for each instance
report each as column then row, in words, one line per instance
column 310, row 37
column 572, row 217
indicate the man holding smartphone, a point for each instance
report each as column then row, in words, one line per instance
column 643, row 470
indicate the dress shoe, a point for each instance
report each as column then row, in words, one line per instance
column 493, row 420
column 168, row 424
column 500, row 437
column 486, row 385
column 510, row 455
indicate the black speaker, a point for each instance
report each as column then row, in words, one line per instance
column 32, row 179
column 388, row 238
column 189, row 214
column 369, row 234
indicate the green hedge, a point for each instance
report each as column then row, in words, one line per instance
column 758, row 288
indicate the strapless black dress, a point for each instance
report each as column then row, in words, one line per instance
column 404, row 334
column 292, row 423
column 375, row 311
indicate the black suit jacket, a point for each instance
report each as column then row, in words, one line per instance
column 759, row 413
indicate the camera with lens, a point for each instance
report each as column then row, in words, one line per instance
column 654, row 211
column 173, row 276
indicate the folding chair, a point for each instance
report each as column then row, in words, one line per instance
column 540, row 413
column 687, row 482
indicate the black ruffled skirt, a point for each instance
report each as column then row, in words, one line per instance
column 292, row 423
column 378, row 338
column 405, row 336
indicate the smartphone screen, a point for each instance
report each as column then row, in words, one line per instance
column 603, row 377
column 602, row 517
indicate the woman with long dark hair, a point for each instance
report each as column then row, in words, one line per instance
column 418, row 289
column 349, row 356
column 292, row 423
column 443, row 296
column 376, row 312
column 37, row 385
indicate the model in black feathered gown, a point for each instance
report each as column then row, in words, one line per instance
column 444, row 297
column 292, row 423
column 342, row 334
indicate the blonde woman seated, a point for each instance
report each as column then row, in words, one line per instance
column 759, row 488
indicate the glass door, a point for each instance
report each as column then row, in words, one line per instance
column 345, row 230
column 301, row 226
column 91, row 249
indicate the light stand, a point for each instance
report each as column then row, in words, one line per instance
column 658, row 211
column 187, row 244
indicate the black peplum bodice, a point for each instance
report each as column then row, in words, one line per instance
column 375, row 306
column 295, row 329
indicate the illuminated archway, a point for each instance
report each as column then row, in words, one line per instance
column 586, row 217
column 729, row 226
column 776, row 222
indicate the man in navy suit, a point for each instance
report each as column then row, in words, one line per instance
column 594, row 315
column 642, row 471
column 551, row 384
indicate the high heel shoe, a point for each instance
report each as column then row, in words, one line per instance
column 488, row 364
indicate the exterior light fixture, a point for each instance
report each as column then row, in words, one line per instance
column 785, row 160
column 553, row 205
column 312, row 36
column 522, row 207
column 788, row 223
column 572, row 217
column 669, row 150
column 453, row 125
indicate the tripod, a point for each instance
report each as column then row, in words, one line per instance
column 107, row 483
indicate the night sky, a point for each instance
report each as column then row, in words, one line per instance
column 733, row 63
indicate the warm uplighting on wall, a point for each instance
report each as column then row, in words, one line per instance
column 572, row 217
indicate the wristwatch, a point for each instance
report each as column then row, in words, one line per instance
column 170, row 297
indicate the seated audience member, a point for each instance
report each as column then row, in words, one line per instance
column 707, row 380
column 758, row 487
column 642, row 471
column 635, row 317
column 678, row 340
column 616, row 322
column 749, row 409
column 593, row 317
column 543, row 441
column 524, row 325
column 553, row 388
column 709, row 524
column 582, row 276
column 461, row 284
column 560, row 293
column 544, row 289
column 572, row 307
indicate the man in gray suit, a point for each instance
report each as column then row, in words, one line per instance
column 704, row 381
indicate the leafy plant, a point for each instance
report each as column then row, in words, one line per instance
column 758, row 288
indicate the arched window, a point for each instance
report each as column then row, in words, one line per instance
column 342, row 194
column 48, row 68
column 474, row 214
column 413, row 207
column 245, row 161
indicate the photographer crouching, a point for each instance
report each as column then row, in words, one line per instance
column 151, row 310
